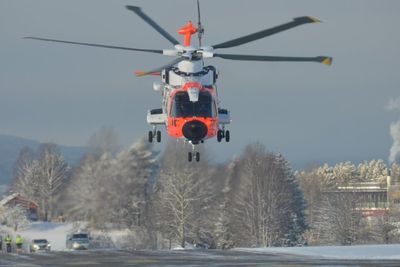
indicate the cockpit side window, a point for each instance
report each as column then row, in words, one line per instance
column 182, row 107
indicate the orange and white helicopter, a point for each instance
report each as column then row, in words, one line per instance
column 190, row 106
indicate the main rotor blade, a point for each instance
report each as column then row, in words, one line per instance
column 320, row 59
column 264, row 33
column 138, row 11
column 159, row 69
column 97, row 45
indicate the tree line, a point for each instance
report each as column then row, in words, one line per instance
column 255, row 200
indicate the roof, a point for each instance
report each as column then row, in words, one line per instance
column 8, row 198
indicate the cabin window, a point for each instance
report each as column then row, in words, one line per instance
column 182, row 107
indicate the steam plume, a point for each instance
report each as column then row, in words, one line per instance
column 395, row 133
column 394, row 104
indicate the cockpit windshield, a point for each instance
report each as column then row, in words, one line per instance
column 183, row 107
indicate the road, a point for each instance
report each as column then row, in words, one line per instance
column 192, row 258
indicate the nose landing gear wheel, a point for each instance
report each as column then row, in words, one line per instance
column 193, row 155
column 150, row 136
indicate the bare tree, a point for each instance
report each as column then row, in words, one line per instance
column 54, row 172
column 25, row 157
column 41, row 179
column 28, row 181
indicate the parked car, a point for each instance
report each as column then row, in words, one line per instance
column 39, row 245
column 78, row 241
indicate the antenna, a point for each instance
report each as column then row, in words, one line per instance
column 200, row 29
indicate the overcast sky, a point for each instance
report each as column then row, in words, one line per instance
column 307, row 111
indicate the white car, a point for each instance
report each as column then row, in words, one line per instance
column 39, row 245
column 78, row 241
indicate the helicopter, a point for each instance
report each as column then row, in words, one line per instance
column 190, row 107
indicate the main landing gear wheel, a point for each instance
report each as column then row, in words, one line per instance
column 190, row 156
column 221, row 134
column 227, row 136
column 158, row 136
column 197, row 156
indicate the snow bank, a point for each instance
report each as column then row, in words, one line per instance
column 339, row 252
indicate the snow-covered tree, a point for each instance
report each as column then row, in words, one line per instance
column 373, row 171
column 88, row 189
column 53, row 174
column 110, row 190
column 269, row 206
column 179, row 195
column 41, row 179
column 184, row 195
column 339, row 221
column 224, row 209
column 14, row 217
column 325, row 172
column 131, row 186
column 28, row 182
column 25, row 157
column 345, row 173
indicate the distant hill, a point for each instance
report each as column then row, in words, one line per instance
column 10, row 147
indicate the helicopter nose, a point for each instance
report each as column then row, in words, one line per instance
column 194, row 130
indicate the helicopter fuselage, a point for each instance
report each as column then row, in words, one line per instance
column 190, row 107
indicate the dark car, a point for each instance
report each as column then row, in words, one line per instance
column 39, row 245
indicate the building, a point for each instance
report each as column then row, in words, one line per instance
column 16, row 199
column 373, row 199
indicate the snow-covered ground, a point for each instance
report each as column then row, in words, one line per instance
column 56, row 234
column 362, row 252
